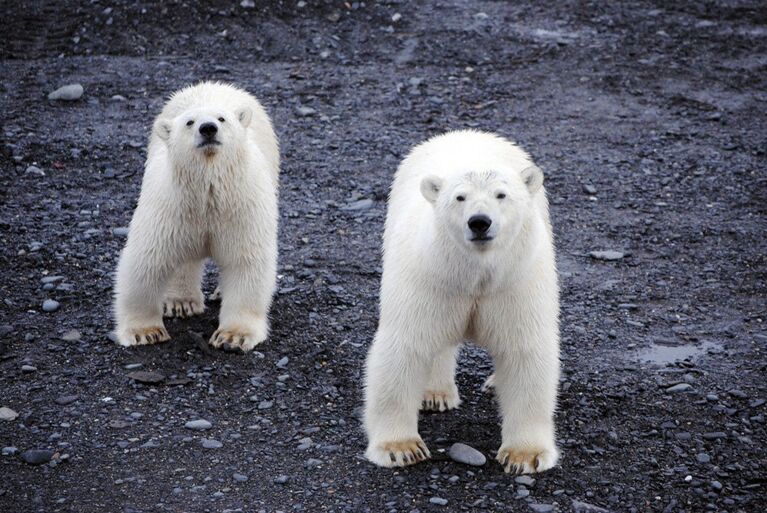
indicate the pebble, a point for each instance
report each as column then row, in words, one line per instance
column 28, row 368
column 608, row 255
column 589, row 189
column 702, row 457
column 50, row 305
column 463, row 453
column 69, row 92
column 34, row 170
column 7, row 414
column 716, row 435
column 282, row 479
column 265, row 405
column 681, row 387
column 248, row 4
column 10, row 450
column 66, row 399
column 240, row 478
column 522, row 493
column 305, row 111
column 439, row 501
column 198, row 425
column 37, row 456
column 524, row 480
column 542, row 508
column 283, row 362
column 71, row 336
column 363, row 204
column 121, row 231
column 148, row 377
column 585, row 507
column 209, row 443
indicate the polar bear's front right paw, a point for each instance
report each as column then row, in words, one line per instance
column 235, row 339
column 182, row 307
column 527, row 460
column 440, row 400
column 142, row 336
column 399, row 453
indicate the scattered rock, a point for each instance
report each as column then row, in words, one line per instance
column 37, row 456
column 439, row 501
column 198, row 425
column 122, row 231
column 240, row 478
column 265, row 405
column 702, row 457
column 7, row 414
column 71, row 336
column 305, row 111
column 680, row 387
column 209, row 443
column 363, row 204
column 281, row 479
column 608, row 255
column 28, row 368
column 542, row 508
column 248, row 4
column 283, row 362
column 146, row 377
column 69, row 92
column 50, row 305
column 585, row 507
column 589, row 189
column 524, row 480
column 463, row 453
column 34, row 170
column 9, row 451
column 66, row 399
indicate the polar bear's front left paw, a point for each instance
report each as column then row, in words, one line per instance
column 182, row 307
column 142, row 336
column 399, row 453
column 236, row 338
column 440, row 400
column 526, row 460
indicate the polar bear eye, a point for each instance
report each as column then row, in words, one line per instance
column 460, row 198
column 190, row 122
column 221, row 120
column 500, row 195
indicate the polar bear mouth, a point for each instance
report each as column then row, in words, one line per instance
column 481, row 239
column 206, row 144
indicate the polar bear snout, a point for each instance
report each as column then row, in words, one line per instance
column 208, row 130
column 479, row 224
column 207, row 139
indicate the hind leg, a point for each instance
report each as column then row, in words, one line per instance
column 184, row 296
column 441, row 391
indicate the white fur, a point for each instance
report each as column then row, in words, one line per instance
column 439, row 288
column 198, row 202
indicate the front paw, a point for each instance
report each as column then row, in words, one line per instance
column 441, row 400
column 398, row 453
column 237, row 338
column 142, row 336
column 527, row 459
column 182, row 307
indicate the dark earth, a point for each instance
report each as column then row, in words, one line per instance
column 649, row 121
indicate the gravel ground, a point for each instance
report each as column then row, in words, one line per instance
column 649, row 122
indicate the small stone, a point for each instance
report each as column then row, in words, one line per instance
column 702, row 457
column 121, row 231
column 282, row 479
column 305, row 111
column 66, row 399
column 248, row 4
column 50, row 305
column 522, row 493
column 240, row 478
column 69, row 92
column 147, row 377
column 439, row 501
column 7, row 414
column 37, row 456
column 34, row 170
column 283, row 362
column 585, row 507
column 524, row 480
column 681, row 387
column 608, row 255
column 589, row 189
column 28, row 368
column 313, row 462
column 396, row 17
column 463, row 453
column 71, row 336
column 716, row 485
column 542, row 508
column 716, row 435
column 9, row 451
column 265, row 405
column 198, row 425
column 363, row 204
column 209, row 443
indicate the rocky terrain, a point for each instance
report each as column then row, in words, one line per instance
column 648, row 119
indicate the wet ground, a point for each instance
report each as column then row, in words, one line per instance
column 649, row 122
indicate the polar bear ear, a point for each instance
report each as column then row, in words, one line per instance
column 162, row 128
column 533, row 178
column 244, row 114
column 430, row 187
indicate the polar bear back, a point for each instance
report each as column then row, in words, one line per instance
column 226, row 96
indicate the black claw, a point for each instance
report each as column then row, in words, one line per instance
column 392, row 457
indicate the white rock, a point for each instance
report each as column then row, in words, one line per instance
column 69, row 92
column 7, row 414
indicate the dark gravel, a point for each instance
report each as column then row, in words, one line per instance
column 649, row 121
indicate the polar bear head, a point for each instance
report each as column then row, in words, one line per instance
column 204, row 131
column 486, row 208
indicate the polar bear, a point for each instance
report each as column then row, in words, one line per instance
column 467, row 255
column 209, row 190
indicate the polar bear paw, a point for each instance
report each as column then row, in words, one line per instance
column 215, row 295
column 526, row 460
column 489, row 384
column 182, row 307
column 398, row 454
column 440, row 400
column 142, row 336
column 236, row 339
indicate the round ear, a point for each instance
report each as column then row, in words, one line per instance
column 533, row 178
column 244, row 114
column 430, row 187
column 162, row 128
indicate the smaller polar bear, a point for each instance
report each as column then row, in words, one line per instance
column 467, row 255
column 209, row 190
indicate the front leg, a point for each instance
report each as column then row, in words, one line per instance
column 394, row 385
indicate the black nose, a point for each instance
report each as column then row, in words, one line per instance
column 208, row 129
column 479, row 223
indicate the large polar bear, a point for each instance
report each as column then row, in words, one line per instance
column 209, row 190
column 467, row 255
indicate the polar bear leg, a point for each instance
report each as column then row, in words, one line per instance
column 395, row 380
column 524, row 344
column 441, row 391
column 184, row 296
column 142, row 277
